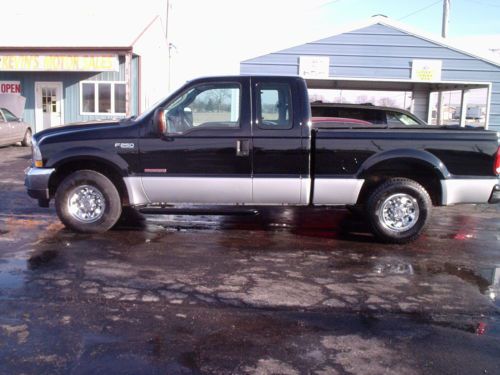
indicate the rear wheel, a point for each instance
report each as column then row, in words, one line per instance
column 26, row 142
column 88, row 202
column 398, row 210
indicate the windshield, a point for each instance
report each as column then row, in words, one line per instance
column 398, row 118
column 149, row 110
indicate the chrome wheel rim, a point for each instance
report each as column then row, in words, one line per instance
column 86, row 203
column 399, row 212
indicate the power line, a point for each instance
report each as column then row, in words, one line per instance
column 420, row 10
column 328, row 3
column 485, row 3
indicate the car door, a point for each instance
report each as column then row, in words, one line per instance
column 17, row 127
column 5, row 131
column 280, row 157
column 204, row 155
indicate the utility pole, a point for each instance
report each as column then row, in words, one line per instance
column 167, row 24
column 444, row 33
column 446, row 11
column 166, row 20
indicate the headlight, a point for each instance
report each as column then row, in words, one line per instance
column 36, row 154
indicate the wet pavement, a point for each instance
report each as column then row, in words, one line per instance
column 280, row 291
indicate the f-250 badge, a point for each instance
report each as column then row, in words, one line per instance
column 126, row 146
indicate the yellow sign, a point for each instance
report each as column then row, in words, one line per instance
column 426, row 70
column 59, row 63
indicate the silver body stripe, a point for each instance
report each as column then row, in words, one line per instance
column 467, row 190
column 336, row 191
column 262, row 191
column 205, row 190
column 305, row 191
column 277, row 190
column 136, row 194
column 327, row 191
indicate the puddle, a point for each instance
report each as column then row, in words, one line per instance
column 394, row 269
column 12, row 273
column 492, row 276
column 37, row 260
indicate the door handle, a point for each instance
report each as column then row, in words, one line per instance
column 242, row 147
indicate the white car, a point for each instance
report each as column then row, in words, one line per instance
column 13, row 129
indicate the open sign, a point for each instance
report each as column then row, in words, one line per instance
column 10, row 87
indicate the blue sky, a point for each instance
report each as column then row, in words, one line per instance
column 467, row 17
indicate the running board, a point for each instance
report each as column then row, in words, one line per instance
column 197, row 211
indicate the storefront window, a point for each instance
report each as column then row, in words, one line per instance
column 88, row 97
column 103, row 98
column 120, row 98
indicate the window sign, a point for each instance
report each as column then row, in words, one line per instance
column 314, row 66
column 426, row 70
column 10, row 87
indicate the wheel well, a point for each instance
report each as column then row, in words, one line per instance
column 69, row 167
column 415, row 170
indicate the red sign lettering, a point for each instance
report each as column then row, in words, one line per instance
column 10, row 88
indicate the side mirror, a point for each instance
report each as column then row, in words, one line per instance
column 160, row 121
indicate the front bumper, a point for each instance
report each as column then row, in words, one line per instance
column 36, row 181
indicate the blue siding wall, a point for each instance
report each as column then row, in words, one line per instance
column 71, row 89
column 380, row 51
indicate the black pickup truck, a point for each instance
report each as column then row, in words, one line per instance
column 250, row 140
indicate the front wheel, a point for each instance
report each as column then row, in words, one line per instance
column 88, row 202
column 398, row 210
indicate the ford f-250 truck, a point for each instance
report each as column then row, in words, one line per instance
column 249, row 140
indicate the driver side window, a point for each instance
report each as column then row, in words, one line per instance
column 209, row 106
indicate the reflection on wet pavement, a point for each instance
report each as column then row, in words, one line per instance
column 287, row 290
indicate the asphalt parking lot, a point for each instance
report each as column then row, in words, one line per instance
column 284, row 291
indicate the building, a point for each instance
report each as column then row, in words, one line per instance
column 84, row 71
column 385, row 55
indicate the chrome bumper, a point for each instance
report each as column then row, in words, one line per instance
column 36, row 181
column 470, row 191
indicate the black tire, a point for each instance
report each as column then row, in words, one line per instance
column 26, row 142
column 130, row 218
column 398, row 190
column 357, row 211
column 97, row 182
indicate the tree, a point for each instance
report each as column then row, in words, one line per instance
column 387, row 102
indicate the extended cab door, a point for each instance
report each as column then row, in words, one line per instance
column 204, row 156
column 280, row 156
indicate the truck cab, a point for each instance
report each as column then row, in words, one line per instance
column 213, row 149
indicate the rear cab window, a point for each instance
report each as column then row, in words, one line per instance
column 274, row 106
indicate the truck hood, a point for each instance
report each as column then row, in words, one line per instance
column 77, row 127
